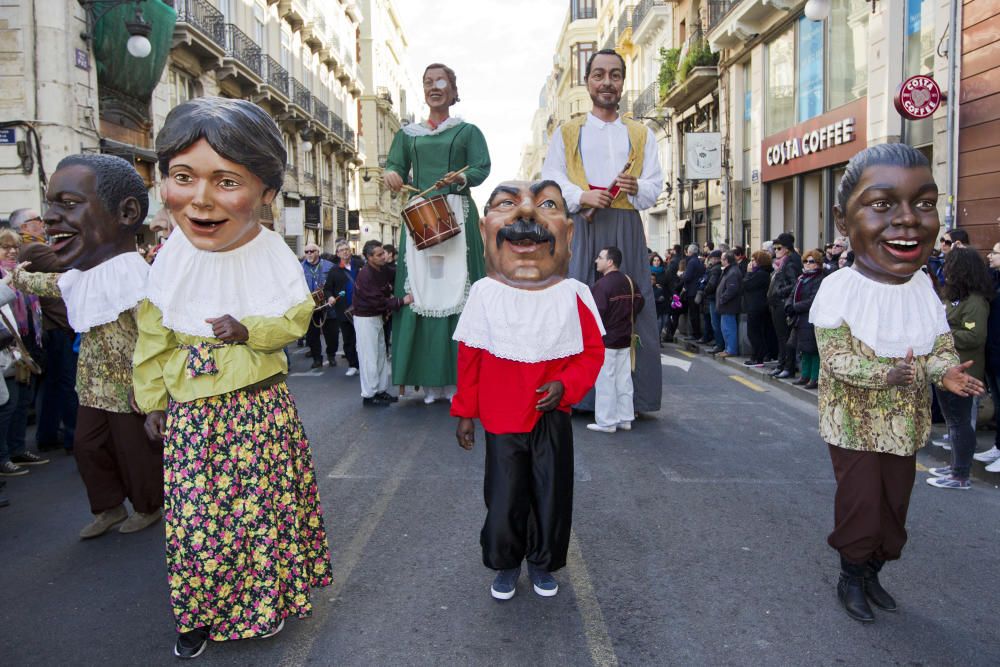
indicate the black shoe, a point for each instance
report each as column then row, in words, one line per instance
column 776, row 372
column 331, row 362
column 27, row 458
column 752, row 362
column 386, row 396
column 48, row 445
column 374, row 401
column 801, row 381
column 813, row 384
column 8, row 469
column 317, row 363
column 716, row 350
column 191, row 644
column 873, row 589
column 783, row 375
column 301, row 343
column 851, row 591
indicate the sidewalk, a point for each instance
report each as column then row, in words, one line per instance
column 985, row 433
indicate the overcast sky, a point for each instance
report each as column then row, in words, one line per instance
column 501, row 51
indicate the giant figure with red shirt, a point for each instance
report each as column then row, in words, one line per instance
column 529, row 348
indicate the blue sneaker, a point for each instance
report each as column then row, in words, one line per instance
column 949, row 483
column 505, row 583
column 544, row 583
column 944, row 471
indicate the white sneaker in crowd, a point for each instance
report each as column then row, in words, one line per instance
column 989, row 456
column 944, row 442
column 993, row 467
column 351, row 372
column 602, row 429
column 625, row 426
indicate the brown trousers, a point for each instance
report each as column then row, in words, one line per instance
column 873, row 496
column 117, row 461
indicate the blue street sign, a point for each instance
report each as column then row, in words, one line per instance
column 8, row 137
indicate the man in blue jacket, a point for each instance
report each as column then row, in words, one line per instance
column 316, row 270
column 693, row 271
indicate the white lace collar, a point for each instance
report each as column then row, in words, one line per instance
column 525, row 325
column 423, row 130
column 99, row 295
column 188, row 285
column 890, row 319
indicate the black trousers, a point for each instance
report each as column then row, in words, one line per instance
column 760, row 331
column 329, row 329
column 694, row 317
column 529, row 495
column 786, row 352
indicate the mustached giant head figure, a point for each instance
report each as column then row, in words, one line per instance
column 527, row 234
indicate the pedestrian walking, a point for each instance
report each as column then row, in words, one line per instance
column 883, row 339
column 373, row 304
column 245, row 539
column 618, row 303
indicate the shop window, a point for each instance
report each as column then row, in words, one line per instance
column 780, row 113
column 918, row 48
column 809, row 82
column 847, row 51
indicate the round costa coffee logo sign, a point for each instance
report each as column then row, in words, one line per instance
column 918, row 97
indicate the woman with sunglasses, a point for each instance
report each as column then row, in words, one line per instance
column 800, row 302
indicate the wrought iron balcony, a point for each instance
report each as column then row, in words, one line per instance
column 204, row 17
column 337, row 124
column 301, row 95
column 275, row 75
column 625, row 20
column 349, row 136
column 321, row 112
column 646, row 101
column 717, row 9
column 243, row 49
column 642, row 11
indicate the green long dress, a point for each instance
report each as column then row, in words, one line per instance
column 423, row 353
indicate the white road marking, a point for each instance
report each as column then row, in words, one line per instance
column 667, row 360
column 674, row 476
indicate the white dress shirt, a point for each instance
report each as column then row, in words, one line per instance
column 604, row 148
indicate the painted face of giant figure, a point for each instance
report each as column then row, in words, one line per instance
column 527, row 234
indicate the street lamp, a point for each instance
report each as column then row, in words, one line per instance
column 307, row 136
column 138, row 28
column 817, row 10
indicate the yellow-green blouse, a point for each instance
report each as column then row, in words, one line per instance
column 161, row 360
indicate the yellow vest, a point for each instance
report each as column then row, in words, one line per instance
column 637, row 133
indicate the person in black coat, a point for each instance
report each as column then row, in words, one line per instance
column 799, row 303
column 694, row 269
column 727, row 304
column 341, row 280
column 760, row 328
column 788, row 266
column 711, row 327
column 991, row 456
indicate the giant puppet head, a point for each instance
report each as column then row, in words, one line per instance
column 527, row 234
column 887, row 207
column 96, row 203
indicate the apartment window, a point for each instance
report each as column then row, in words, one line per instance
column 810, row 70
column 286, row 49
column 182, row 87
column 291, row 154
column 780, row 83
column 580, row 53
column 226, row 8
column 310, row 162
column 307, row 68
column 583, row 9
column 847, row 51
column 258, row 27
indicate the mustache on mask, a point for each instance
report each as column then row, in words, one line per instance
column 525, row 230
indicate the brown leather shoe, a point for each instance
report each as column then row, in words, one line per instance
column 103, row 522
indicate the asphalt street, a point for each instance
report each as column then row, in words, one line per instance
column 699, row 538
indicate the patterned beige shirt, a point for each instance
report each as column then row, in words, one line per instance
column 104, row 368
column 859, row 409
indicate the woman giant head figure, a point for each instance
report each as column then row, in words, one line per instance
column 221, row 160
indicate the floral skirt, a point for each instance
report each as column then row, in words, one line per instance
column 245, row 535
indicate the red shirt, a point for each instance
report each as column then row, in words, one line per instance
column 501, row 393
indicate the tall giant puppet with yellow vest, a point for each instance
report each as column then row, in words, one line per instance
column 609, row 170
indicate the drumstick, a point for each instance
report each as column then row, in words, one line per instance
column 438, row 181
column 410, row 188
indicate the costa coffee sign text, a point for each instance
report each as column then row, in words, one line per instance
column 814, row 141
column 828, row 139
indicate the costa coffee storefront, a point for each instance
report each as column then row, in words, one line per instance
column 800, row 169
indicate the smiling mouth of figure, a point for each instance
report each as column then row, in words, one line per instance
column 59, row 240
column 206, row 225
column 903, row 249
column 524, row 237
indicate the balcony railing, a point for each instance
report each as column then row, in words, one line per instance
column 204, row 17
column 646, row 100
column 321, row 112
column 628, row 99
column 349, row 136
column 301, row 95
column 642, row 11
column 242, row 48
column 717, row 9
column 337, row 124
column 625, row 20
column 383, row 160
column 275, row 75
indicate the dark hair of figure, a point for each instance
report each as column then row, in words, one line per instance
column 448, row 72
column 115, row 181
column 370, row 247
column 604, row 52
column 965, row 273
column 614, row 255
column 238, row 130
column 880, row 155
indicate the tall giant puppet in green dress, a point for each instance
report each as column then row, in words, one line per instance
column 427, row 155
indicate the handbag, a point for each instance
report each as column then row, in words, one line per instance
column 24, row 365
column 634, row 342
column 699, row 296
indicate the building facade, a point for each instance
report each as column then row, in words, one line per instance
column 390, row 99
column 295, row 58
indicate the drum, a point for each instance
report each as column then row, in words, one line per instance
column 430, row 221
